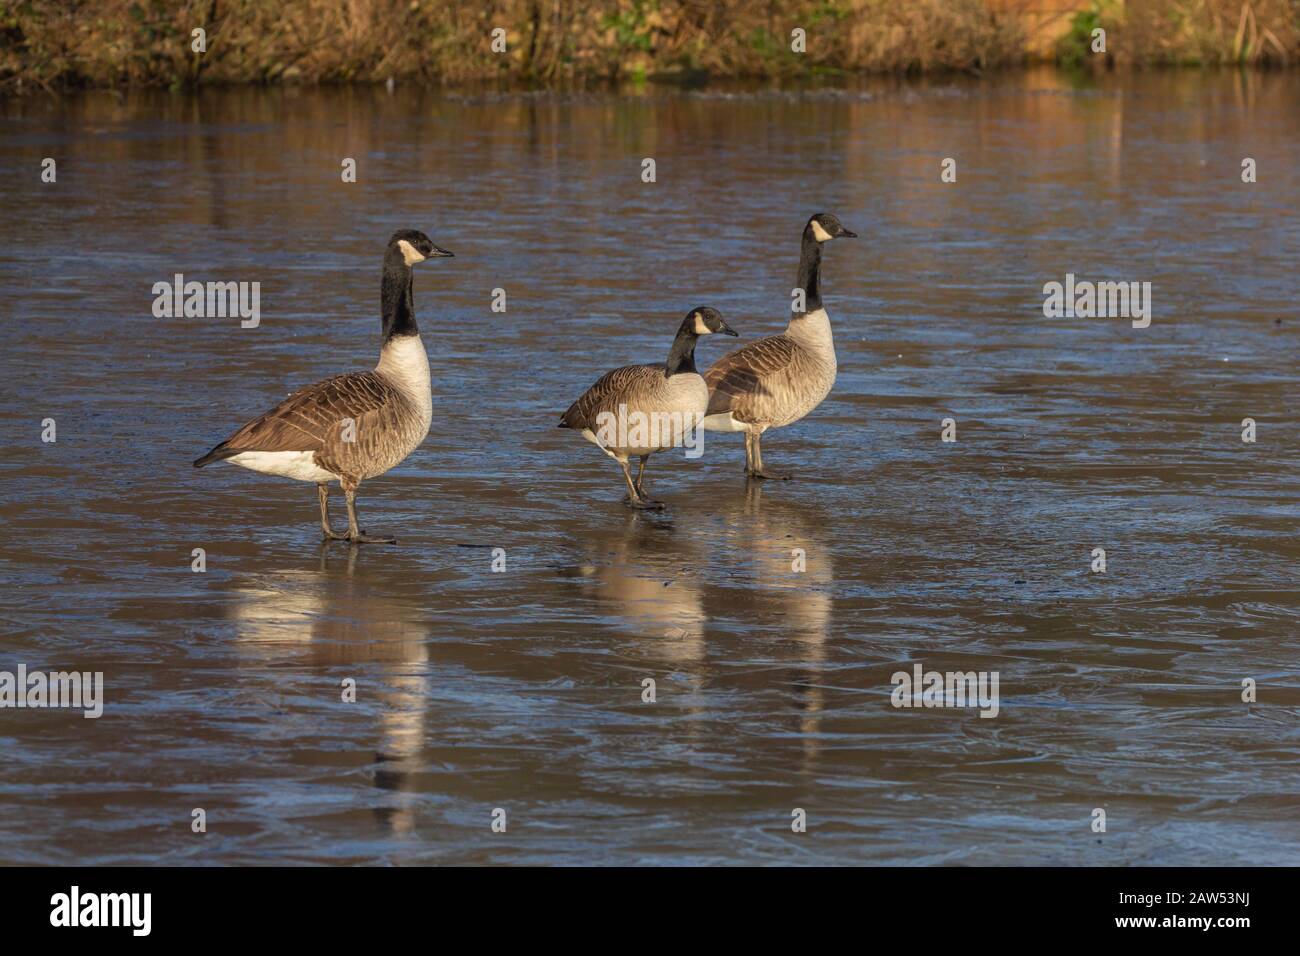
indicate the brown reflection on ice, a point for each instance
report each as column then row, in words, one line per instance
column 648, row 577
column 341, row 617
column 792, row 574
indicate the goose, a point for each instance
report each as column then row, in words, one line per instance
column 641, row 409
column 778, row 380
column 356, row 426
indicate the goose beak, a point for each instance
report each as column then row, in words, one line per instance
column 847, row 234
column 728, row 330
column 439, row 254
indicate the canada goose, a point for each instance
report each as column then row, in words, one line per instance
column 351, row 427
column 778, row 380
column 642, row 409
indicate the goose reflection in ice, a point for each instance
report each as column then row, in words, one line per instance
column 785, row 574
column 648, row 575
column 741, row 568
column 338, row 615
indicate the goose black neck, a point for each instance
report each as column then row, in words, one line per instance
column 681, row 357
column 396, row 299
column 810, row 271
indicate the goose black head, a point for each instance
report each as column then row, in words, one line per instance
column 414, row 246
column 699, row 321
column 706, row 321
column 824, row 227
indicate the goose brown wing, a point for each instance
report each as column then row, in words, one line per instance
column 610, row 389
column 739, row 380
column 311, row 419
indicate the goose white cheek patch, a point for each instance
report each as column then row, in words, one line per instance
column 410, row 253
column 700, row 327
column 820, row 234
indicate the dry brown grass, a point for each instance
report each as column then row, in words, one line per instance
column 135, row 42
column 148, row 41
column 1210, row 32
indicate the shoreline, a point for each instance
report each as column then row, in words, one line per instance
column 848, row 83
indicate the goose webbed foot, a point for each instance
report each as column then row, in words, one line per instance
column 644, row 504
column 764, row 473
column 362, row 538
column 635, row 497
